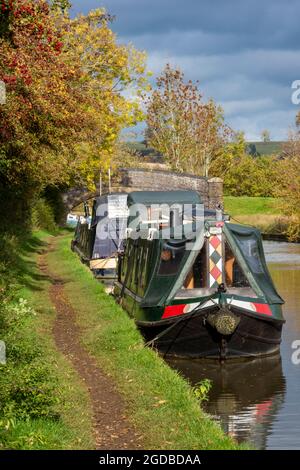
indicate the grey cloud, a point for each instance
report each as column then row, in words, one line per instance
column 261, row 22
column 244, row 53
column 277, row 66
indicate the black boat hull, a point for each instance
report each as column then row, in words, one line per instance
column 194, row 337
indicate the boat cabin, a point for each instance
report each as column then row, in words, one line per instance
column 99, row 237
column 180, row 259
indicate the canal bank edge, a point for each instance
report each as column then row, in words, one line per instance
column 160, row 403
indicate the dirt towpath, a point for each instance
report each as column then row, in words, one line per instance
column 110, row 424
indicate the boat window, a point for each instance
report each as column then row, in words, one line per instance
column 249, row 247
column 138, row 265
column 127, row 262
column 144, row 266
column 170, row 261
column 197, row 277
column 158, row 217
column 233, row 273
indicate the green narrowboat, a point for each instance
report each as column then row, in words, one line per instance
column 99, row 237
column 207, row 293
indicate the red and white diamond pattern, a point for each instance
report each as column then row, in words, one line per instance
column 215, row 261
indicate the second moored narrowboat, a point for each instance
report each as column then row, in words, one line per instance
column 206, row 293
column 99, row 237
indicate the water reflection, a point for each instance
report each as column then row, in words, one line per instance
column 245, row 396
column 258, row 400
column 284, row 264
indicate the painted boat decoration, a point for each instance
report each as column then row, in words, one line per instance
column 99, row 237
column 216, row 299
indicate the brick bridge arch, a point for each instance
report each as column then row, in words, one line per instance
column 136, row 179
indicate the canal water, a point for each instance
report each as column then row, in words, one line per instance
column 259, row 400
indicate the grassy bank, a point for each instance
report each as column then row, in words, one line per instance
column 261, row 212
column 161, row 404
column 39, row 389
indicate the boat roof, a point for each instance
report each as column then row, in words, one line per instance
column 164, row 197
column 245, row 243
column 98, row 201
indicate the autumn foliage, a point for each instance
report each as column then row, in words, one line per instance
column 65, row 107
column 190, row 133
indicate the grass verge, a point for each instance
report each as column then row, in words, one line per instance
column 39, row 389
column 261, row 212
column 245, row 205
column 160, row 402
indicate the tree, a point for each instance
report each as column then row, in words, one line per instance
column 189, row 132
column 289, row 192
column 265, row 136
column 291, row 148
column 230, row 158
column 297, row 120
column 32, row 68
column 252, row 150
column 64, row 5
column 252, row 177
column 65, row 103
column 5, row 16
column 245, row 174
column 289, row 188
column 107, row 69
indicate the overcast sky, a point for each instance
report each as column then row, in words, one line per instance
column 245, row 53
